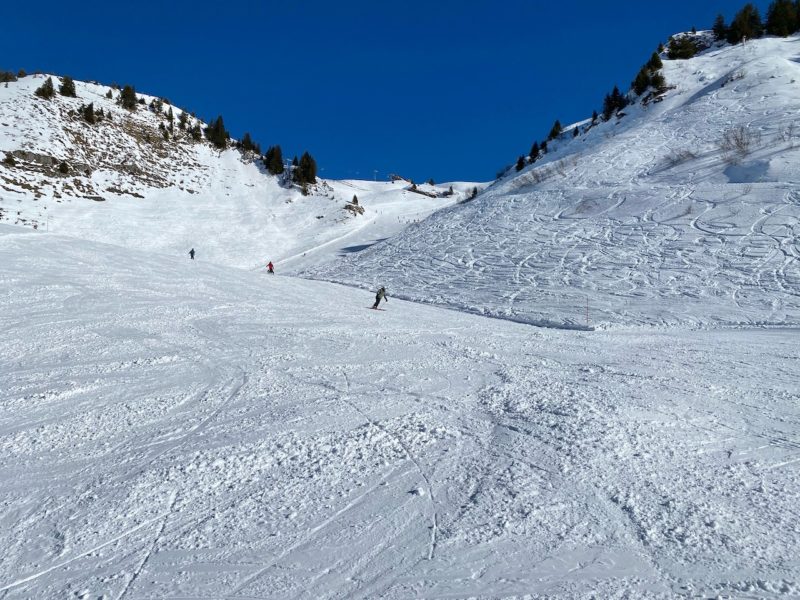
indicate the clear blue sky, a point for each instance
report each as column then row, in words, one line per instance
column 439, row 88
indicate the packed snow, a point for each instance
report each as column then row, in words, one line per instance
column 651, row 219
column 176, row 428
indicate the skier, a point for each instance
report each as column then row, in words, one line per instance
column 191, row 253
column 269, row 268
column 381, row 295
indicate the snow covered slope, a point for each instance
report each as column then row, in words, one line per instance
column 172, row 429
column 128, row 185
column 684, row 211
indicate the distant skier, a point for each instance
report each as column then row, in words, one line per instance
column 381, row 295
column 270, row 268
column 191, row 253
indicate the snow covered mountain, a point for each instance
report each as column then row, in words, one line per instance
column 684, row 211
column 136, row 178
column 193, row 429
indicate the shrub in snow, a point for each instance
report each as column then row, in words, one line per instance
column 67, row 87
column 737, row 142
column 63, row 168
column 9, row 160
column 46, row 90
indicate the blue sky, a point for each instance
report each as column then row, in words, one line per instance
column 446, row 89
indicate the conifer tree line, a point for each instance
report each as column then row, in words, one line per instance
column 304, row 169
column 783, row 19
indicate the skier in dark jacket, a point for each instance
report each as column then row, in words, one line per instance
column 191, row 253
column 381, row 295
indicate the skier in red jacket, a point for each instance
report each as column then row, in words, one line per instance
column 269, row 268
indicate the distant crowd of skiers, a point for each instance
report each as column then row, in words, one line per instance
column 381, row 295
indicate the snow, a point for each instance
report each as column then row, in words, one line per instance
column 646, row 219
column 201, row 429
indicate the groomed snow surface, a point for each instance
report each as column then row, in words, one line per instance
column 174, row 429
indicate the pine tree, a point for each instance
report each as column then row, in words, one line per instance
column 88, row 113
column 128, row 97
column 534, row 151
column 594, row 117
column 520, row 163
column 555, row 131
column 355, row 200
column 781, row 18
column 46, row 90
column 9, row 160
column 746, row 24
column 654, row 64
column 682, row 47
column 170, row 115
column 308, row 168
column 217, row 134
column 642, row 81
column 274, row 160
column 720, row 29
column 658, row 82
column 182, row 120
column 196, row 132
column 67, row 87
column 109, row 94
column 575, row 132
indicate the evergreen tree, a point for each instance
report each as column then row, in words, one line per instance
column 46, row 90
column 182, row 120
column 128, row 97
column 308, row 168
column 196, row 132
column 613, row 102
column 720, row 29
column 88, row 113
column 520, row 163
column 781, row 18
column 642, row 81
column 355, row 200
column 654, row 64
column 274, row 160
column 67, row 87
column 109, row 94
column 682, row 47
column 746, row 24
column 658, row 82
column 575, row 132
column 543, row 148
column 9, row 160
column 594, row 117
column 534, row 151
column 170, row 115
column 555, row 131
column 217, row 134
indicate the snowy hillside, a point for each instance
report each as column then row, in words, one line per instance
column 126, row 184
column 684, row 211
column 184, row 430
